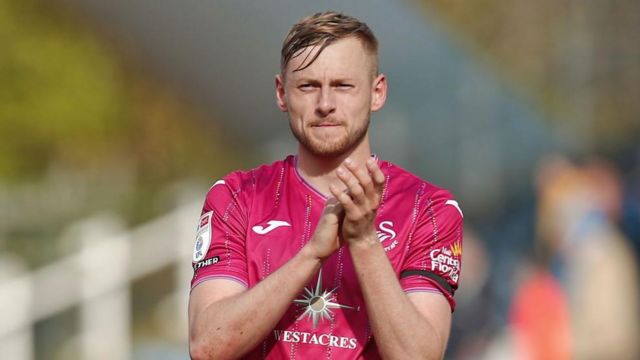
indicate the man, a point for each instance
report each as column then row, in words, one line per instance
column 331, row 253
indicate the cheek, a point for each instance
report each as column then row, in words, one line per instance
column 296, row 116
column 300, row 108
column 357, row 107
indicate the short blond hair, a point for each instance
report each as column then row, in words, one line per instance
column 322, row 29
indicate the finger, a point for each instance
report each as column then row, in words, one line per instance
column 343, row 197
column 333, row 207
column 355, row 190
column 362, row 175
column 376, row 173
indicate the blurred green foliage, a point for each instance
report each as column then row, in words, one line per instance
column 62, row 97
column 86, row 127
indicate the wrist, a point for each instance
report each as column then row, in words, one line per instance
column 308, row 252
column 364, row 242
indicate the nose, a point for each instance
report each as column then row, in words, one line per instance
column 326, row 102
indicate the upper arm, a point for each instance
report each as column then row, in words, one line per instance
column 207, row 293
column 436, row 310
column 431, row 273
column 219, row 259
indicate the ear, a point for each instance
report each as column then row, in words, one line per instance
column 379, row 92
column 281, row 96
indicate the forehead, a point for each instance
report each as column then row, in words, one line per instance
column 344, row 58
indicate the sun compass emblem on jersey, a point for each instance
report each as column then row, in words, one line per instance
column 319, row 303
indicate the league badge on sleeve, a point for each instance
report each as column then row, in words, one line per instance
column 203, row 237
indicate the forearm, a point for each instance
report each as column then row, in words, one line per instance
column 400, row 331
column 232, row 326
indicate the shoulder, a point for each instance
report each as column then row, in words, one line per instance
column 424, row 197
column 403, row 182
column 242, row 183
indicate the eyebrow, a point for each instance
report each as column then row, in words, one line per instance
column 331, row 81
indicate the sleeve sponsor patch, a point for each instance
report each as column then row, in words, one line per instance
column 446, row 260
column 203, row 237
column 204, row 263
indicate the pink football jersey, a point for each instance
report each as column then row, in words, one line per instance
column 253, row 222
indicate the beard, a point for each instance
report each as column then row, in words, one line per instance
column 331, row 147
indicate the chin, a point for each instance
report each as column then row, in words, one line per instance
column 330, row 149
column 326, row 150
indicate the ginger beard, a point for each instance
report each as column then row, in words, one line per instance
column 328, row 145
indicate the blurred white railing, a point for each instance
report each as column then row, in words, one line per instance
column 97, row 279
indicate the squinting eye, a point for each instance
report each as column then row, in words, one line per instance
column 305, row 86
column 345, row 86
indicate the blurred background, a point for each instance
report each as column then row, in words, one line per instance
column 116, row 116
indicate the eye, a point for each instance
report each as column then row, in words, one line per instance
column 344, row 86
column 305, row 86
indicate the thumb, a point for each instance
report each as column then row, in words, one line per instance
column 333, row 208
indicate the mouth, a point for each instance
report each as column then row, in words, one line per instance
column 326, row 124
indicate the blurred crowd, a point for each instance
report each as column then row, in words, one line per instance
column 574, row 291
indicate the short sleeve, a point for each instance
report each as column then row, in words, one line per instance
column 219, row 249
column 434, row 258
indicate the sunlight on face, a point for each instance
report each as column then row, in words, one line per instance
column 330, row 102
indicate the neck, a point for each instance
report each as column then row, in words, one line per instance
column 320, row 171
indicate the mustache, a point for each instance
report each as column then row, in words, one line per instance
column 326, row 122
